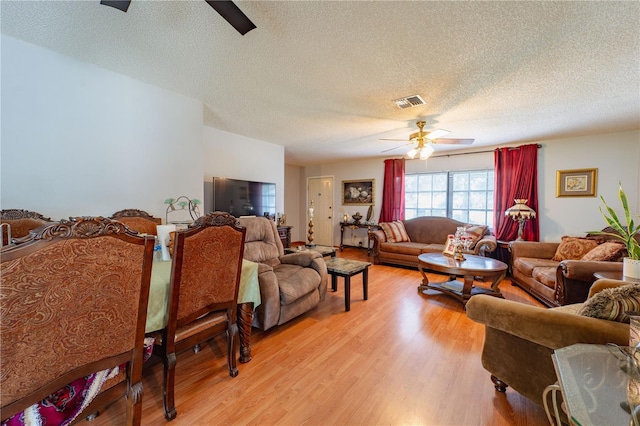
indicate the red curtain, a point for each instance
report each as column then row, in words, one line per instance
column 516, row 176
column 393, row 191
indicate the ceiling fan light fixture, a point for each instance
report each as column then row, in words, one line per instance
column 426, row 151
column 412, row 153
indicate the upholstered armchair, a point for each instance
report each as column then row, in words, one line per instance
column 520, row 338
column 290, row 284
column 73, row 303
column 16, row 224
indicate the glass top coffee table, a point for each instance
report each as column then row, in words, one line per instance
column 473, row 266
column 595, row 386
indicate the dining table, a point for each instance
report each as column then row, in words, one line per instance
column 248, row 300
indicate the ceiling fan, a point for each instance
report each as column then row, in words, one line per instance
column 424, row 141
column 226, row 8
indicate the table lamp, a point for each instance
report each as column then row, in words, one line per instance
column 520, row 213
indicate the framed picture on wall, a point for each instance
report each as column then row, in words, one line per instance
column 576, row 183
column 358, row 192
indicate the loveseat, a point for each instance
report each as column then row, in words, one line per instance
column 290, row 284
column 520, row 338
column 557, row 276
column 426, row 234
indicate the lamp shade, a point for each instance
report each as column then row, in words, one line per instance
column 520, row 213
column 520, row 210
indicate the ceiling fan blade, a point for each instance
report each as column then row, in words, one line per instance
column 437, row 133
column 454, row 141
column 397, row 140
column 233, row 15
column 397, row 147
column 122, row 5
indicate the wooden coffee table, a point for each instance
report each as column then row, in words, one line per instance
column 473, row 266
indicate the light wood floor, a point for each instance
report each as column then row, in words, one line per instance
column 399, row 358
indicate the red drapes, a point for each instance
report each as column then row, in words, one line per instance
column 516, row 176
column 393, row 191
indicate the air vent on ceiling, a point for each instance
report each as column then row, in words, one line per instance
column 409, row 101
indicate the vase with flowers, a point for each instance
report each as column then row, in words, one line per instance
column 627, row 231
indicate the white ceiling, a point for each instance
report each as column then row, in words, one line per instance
column 319, row 77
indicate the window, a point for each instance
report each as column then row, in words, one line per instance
column 466, row 196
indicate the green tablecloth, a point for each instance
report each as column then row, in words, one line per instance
column 249, row 291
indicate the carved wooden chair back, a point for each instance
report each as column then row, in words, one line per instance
column 205, row 277
column 138, row 220
column 16, row 224
column 73, row 302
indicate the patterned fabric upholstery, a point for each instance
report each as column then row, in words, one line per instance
column 71, row 298
column 612, row 303
column 610, row 251
column 395, row 231
column 207, row 261
column 573, row 248
column 138, row 220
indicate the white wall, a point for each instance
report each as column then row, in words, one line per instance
column 615, row 155
column 295, row 189
column 80, row 140
column 237, row 157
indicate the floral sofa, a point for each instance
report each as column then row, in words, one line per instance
column 561, row 273
column 425, row 234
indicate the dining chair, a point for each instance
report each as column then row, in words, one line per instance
column 17, row 223
column 73, row 303
column 203, row 294
column 138, row 220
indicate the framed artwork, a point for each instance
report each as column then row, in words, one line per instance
column 358, row 192
column 576, row 183
column 449, row 247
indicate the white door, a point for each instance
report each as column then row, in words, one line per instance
column 320, row 191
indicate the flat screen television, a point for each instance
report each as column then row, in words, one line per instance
column 243, row 197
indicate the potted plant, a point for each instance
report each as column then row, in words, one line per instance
column 625, row 232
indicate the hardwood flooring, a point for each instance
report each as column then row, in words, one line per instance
column 398, row 358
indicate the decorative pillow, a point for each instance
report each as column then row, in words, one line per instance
column 612, row 303
column 395, row 231
column 476, row 232
column 573, row 248
column 609, row 251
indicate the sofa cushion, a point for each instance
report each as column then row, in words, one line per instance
column 610, row 251
column 395, row 231
column 403, row 248
column 545, row 275
column 573, row 248
column 612, row 303
column 476, row 232
column 526, row 265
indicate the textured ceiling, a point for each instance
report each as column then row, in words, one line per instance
column 319, row 77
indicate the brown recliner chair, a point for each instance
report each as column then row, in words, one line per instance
column 520, row 338
column 290, row 284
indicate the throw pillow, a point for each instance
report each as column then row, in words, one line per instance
column 609, row 251
column 395, row 231
column 476, row 232
column 573, row 248
column 612, row 303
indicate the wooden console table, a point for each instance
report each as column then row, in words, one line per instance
column 353, row 225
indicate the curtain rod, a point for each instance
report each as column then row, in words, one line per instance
column 475, row 152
